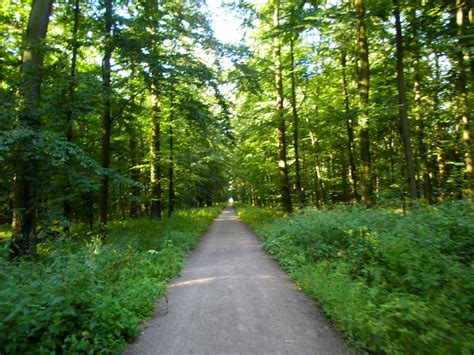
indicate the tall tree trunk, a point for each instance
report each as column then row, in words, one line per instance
column 441, row 162
column 469, row 37
column 464, row 101
column 425, row 165
column 392, row 154
column 402, row 102
column 134, row 173
column 304, row 172
column 26, row 174
column 155, row 166
column 317, row 184
column 296, row 119
column 282, row 163
column 171, row 193
column 349, row 128
column 106, row 116
column 321, row 185
column 363, row 71
column 319, row 189
column 440, row 154
column 420, row 116
column 70, row 104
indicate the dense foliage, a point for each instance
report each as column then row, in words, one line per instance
column 119, row 109
column 392, row 283
column 372, row 111
column 107, row 110
column 83, row 296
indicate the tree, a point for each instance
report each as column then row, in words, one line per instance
column 349, row 127
column 463, row 101
column 106, row 114
column 296, row 119
column 156, row 207
column 176, row 128
column 25, row 201
column 363, row 119
column 70, row 103
column 280, row 114
column 171, row 190
column 68, row 177
column 420, row 114
column 402, row 101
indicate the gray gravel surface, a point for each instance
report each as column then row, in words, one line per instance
column 232, row 298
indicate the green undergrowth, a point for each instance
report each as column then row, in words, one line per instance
column 395, row 284
column 5, row 232
column 86, row 296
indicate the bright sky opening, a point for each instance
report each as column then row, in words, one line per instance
column 224, row 22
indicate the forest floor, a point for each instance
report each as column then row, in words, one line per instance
column 233, row 298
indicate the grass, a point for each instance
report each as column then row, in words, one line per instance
column 393, row 284
column 86, row 296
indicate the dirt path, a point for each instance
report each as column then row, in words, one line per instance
column 233, row 299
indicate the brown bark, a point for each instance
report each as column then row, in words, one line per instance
column 363, row 71
column 25, row 200
column 403, row 106
column 281, row 133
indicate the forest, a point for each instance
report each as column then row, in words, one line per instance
column 343, row 128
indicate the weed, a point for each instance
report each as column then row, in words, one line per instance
column 392, row 283
column 85, row 296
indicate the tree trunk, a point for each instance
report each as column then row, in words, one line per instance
column 464, row 101
column 155, row 166
column 171, row 194
column 469, row 38
column 440, row 154
column 427, row 188
column 70, row 105
column 402, row 101
column 420, row 116
column 363, row 71
column 321, row 185
column 299, row 189
column 392, row 154
column 106, row 116
column 349, row 128
column 26, row 174
column 282, row 163
column 441, row 162
column 134, row 173
column 317, row 184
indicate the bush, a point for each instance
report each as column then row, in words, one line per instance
column 91, row 298
column 392, row 283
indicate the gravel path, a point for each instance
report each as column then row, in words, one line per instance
column 234, row 299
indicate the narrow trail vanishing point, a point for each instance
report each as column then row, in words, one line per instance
column 232, row 298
